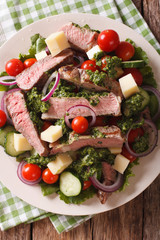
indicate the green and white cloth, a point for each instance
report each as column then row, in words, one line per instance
column 14, row 15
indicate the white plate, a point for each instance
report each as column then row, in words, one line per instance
column 149, row 167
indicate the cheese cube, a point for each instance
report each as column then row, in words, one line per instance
column 92, row 51
column 128, row 85
column 120, row 163
column 21, row 143
column 52, row 134
column 115, row 150
column 62, row 161
column 41, row 55
column 57, row 42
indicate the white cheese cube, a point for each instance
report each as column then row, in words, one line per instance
column 52, row 134
column 128, row 85
column 57, row 42
column 92, row 51
column 62, row 161
column 115, row 150
column 120, row 163
column 41, row 55
column 21, row 143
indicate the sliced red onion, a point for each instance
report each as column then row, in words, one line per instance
column 110, row 188
column 3, row 105
column 73, row 108
column 80, row 60
column 53, row 75
column 9, row 83
column 19, row 174
column 45, row 98
column 47, row 50
column 157, row 94
column 153, row 140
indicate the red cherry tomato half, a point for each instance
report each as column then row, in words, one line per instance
column 3, row 118
column 86, row 184
column 104, row 62
column 126, row 154
column 48, row 177
column 89, row 65
column 14, row 66
column 29, row 62
column 134, row 133
column 79, row 124
column 125, row 50
column 31, row 172
column 137, row 75
column 108, row 40
column 46, row 125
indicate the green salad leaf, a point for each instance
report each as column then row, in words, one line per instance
column 48, row 189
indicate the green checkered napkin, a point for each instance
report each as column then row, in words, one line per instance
column 15, row 14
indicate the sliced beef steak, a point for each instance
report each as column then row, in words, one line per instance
column 36, row 76
column 80, row 38
column 108, row 105
column 108, row 137
column 109, row 175
column 16, row 107
column 81, row 78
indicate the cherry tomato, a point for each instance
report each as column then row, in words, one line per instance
column 3, row 118
column 48, row 177
column 134, row 133
column 126, row 154
column 100, row 121
column 108, row 40
column 86, row 184
column 79, row 124
column 89, row 65
column 46, row 125
column 135, row 73
column 31, row 172
column 14, row 66
column 29, row 62
column 125, row 50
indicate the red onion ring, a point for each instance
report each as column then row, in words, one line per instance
column 71, row 109
column 157, row 94
column 47, row 51
column 19, row 174
column 4, row 78
column 3, row 105
column 154, row 142
column 44, row 90
column 80, row 60
column 45, row 98
column 110, row 188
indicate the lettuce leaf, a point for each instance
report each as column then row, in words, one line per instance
column 82, row 197
column 48, row 189
column 37, row 45
column 147, row 73
column 128, row 173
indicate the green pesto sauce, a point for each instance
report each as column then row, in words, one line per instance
column 98, row 78
column 89, row 161
column 39, row 160
column 65, row 130
column 86, row 26
column 133, row 105
column 36, row 106
column 97, row 134
column 69, row 90
column 125, row 123
column 141, row 144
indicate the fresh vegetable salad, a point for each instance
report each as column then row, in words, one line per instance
column 78, row 111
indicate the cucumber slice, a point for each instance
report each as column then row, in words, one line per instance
column 9, row 145
column 3, row 133
column 70, row 185
column 133, row 64
column 146, row 98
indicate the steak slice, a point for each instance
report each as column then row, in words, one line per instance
column 80, row 78
column 80, row 38
column 36, row 76
column 109, row 175
column 16, row 107
column 108, row 105
column 107, row 137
